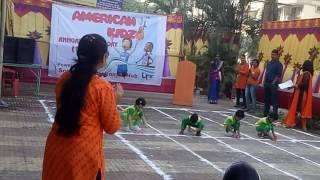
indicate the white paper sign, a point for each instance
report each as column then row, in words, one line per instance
column 287, row 84
column 136, row 42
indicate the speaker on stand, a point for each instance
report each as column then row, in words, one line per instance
column 10, row 50
column 25, row 51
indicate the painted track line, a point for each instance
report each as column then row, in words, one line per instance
column 184, row 147
column 206, row 137
column 243, row 152
column 188, row 149
column 282, row 135
column 298, row 131
column 46, row 109
column 267, row 143
column 144, row 158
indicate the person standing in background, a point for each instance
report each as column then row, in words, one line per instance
column 252, row 83
column 215, row 76
column 241, row 81
column 301, row 105
column 272, row 79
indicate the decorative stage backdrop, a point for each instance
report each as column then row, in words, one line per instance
column 32, row 19
column 136, row 42
column 297, row 41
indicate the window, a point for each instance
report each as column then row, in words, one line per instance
column 296, row 13
column 318, row 9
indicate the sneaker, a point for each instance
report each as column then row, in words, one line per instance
column 3, row 104
column 136, row 128
column 127, row 129
column 245, row 109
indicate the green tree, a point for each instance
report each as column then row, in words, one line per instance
column 270, row 10
column 221, row 18
column 133, row 6
column 250, row 37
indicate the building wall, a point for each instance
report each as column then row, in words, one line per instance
column 32, row 20
column 309, row 9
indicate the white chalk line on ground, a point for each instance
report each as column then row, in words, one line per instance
column 282, row 135
column 298, row 131
column 196, row 110
column 184, row 109
column 167, row 108
column 50, row 116
column 144, row 158
column 126, row 142
column 232, row 110
column 287, row 137
column 51, row 119
column 184, row 147
column 187, row 149
column 206, row 137
column 267, row 143
column 240, row 151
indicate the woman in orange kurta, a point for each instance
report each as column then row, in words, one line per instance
column 86, row 106
column 301, row 105
column 241, row 81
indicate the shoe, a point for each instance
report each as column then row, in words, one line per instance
column 198, row 133
column 127, row 129
column 136, row 128
column 244, row 108
column 3, row 104
column 298, row 115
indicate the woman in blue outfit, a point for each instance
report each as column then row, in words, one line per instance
column 215, row 78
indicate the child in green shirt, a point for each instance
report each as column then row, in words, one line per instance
column 194, row 123
column 232, row 123
column 132, row 116
column 265, row 125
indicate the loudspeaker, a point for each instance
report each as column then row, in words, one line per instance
column 10, row 50
column 25, row 51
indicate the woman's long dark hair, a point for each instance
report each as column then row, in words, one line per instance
column 91, row 50
column 308, row 66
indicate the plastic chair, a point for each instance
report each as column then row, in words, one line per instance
column 10, row 80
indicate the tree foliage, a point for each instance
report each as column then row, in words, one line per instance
column 217, row 18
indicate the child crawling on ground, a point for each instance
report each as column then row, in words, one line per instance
column 132, row 116
column 265, row 125
column 232, row 123
column 193, row 123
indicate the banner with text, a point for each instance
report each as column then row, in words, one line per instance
column 136, row 42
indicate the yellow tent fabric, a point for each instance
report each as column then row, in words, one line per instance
column 298, row 41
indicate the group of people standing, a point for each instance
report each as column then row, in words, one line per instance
column 247, row 80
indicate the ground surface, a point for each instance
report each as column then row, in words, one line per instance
column 159, row 153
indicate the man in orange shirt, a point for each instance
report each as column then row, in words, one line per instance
column 252, row 83
column 241, row 81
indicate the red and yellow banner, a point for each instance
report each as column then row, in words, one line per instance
column 297, row 41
